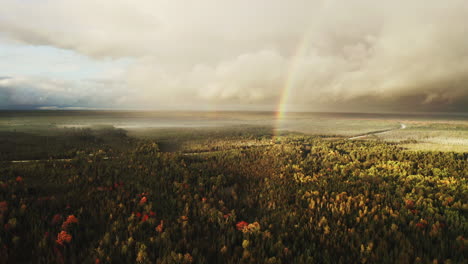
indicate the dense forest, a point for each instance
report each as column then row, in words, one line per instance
column 240, row 198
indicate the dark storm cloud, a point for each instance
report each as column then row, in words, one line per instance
column 23, row 92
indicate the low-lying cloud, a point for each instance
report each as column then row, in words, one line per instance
column 26, row 92
column 353, row 55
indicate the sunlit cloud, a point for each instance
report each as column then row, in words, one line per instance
column 353, row 55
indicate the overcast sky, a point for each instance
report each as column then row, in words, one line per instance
column 330, row 55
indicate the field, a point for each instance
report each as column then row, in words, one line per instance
column 232, row 187
column 435, row 136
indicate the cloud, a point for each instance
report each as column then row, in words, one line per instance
column 248, row 78
column 67, row 108
column 352, row 55
column 41, row 92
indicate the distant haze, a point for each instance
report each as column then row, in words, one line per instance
column 353, row 55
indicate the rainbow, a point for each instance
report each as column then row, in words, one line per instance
column 290, row 81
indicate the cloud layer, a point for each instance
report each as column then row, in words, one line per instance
column 355, row 55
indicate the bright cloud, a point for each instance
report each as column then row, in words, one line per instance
column 332, row 55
